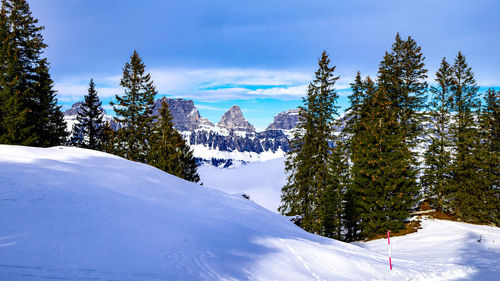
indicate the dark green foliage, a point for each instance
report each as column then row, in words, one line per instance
column 108, row 138
column 50, row 126
column 88, row 131
column 465, row 190
column 332, row 198
column 313, row 191
column 436, row 178
column 29, row 114
column 384, row 125
column 489, row 151
column 352, row 131
column 169, row 151
column 402, row 75
column 380, row 190
column 134, row 111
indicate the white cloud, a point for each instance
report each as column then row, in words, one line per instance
column 211, row 84
column 208, row 107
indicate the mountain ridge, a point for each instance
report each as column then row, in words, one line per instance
column 232, row 141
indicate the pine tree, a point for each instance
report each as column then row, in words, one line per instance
column 29, row 114
column 14, row 127
column 351, row 131
column 383, row 185
column 90, row 123
column 134, row 111
column 466, row 191
column 401, row 90
column 169, row 151
column 313, row 186
column 109, row 138
column 436, row 176
column 402, row 75
column 378, row 167
column 488, row 151
column 50, row 126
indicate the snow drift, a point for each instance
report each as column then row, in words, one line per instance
column 73, row 214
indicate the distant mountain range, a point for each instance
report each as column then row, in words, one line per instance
column 232, row 141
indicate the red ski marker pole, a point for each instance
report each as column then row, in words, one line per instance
column 389, row 246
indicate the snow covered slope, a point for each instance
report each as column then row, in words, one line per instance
column 262, row 181
column 465, row 251
column 74, row 214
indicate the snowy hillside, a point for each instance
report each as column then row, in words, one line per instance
column 262, row 181
column 74, row 214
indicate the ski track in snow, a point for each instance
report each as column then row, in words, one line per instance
column 301, row 260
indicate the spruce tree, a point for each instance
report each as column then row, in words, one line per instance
column 29, row 114
column 169, row 151
column 438, row 158
column 109, row 138
column 134, row 111
column 402, row 75
column 50, row 126
column 352, row 130
column 466, row 191
column 90, row 123
column 401, row 94
column 383, row 184
column 313, row 188
column 488, row 152
column 378, row 169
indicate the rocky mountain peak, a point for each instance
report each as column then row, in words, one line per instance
column 75, row 109
column 185, row 114
column 233, row 120
column 286, row 120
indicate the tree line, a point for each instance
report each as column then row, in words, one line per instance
column 30, row 115
column 400, row 143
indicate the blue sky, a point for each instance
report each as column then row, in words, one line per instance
column 257, row 54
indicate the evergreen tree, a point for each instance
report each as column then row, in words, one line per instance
column 383, row 185
column 378, row 169
column 109, row 138
column 90, row 123
column 352, row 130
column 488, row 153
column 436, row 176
column 50, row 126
column 402, row 75
column 466, row 191
column 134, row 111
column 169, row 151
column 29, row 114
column 313, row 187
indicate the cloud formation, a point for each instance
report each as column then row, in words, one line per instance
column 212, row 84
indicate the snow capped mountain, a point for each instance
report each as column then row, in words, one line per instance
column 77, row 214
column 232, row 141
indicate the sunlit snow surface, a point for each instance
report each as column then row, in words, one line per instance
column 74, row 214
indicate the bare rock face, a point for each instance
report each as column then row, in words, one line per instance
column 185, row 114
column 233, row 120
column 286, row 120
column 74, row 110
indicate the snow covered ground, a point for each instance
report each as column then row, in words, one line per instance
column 447, row 246
column 75, row 214
column 262, row 181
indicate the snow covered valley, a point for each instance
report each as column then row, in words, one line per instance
column 76, row 214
